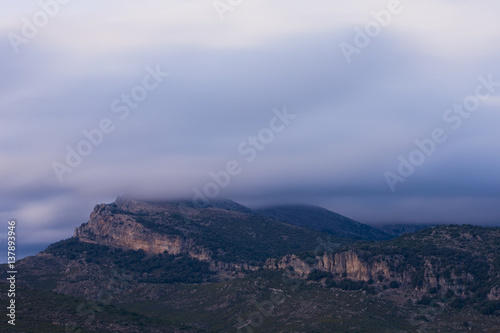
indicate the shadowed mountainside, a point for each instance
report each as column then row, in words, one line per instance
column 168, row 266
column 322, row 219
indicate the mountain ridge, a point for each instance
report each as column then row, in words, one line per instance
column 175, row 266
column 322, row 219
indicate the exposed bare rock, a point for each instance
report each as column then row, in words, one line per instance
column 436, row 261
column 120, row 230
column 345, row 264
column 494, row 294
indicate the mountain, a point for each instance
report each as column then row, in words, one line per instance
column 396, row 229
column 220, row 232
column 455, row 264
column 168, row 242
column 321, row 219
column 171, row 266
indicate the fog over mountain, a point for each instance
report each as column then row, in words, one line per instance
column 265, row 107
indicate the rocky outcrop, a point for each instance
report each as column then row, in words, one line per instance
column 437, row 260
column 346, row 264
column 121, row 230
column 494, row 294
column 107, row 226
column 379, row 270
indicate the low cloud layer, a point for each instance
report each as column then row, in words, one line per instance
column 353, row 116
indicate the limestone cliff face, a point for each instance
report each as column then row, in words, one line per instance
column 380, row 269
column 347, row 264
column 120, row 230
column 107, row 226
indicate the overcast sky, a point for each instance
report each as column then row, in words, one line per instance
column 313, row 103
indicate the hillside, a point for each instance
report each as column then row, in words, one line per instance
column 168, row 266
column 460, row 263
column 264, row 301
column 166, row 242
column 396, row 229
column 223, row 231
column 321, row 219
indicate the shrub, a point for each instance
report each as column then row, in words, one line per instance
column 316, row 275
column 425, row 300
column 489, row 308
column 348, row 284
column 394, row 284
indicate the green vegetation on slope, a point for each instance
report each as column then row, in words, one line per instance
column 161, row 268
column 321, row 219
column 234, row 236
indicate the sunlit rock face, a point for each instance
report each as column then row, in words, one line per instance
column 121, row 230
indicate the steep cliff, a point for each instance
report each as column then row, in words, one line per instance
column 121, row 230
column 346, row 264
column 176, row 262
column 227, row 235
column 457, row 261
